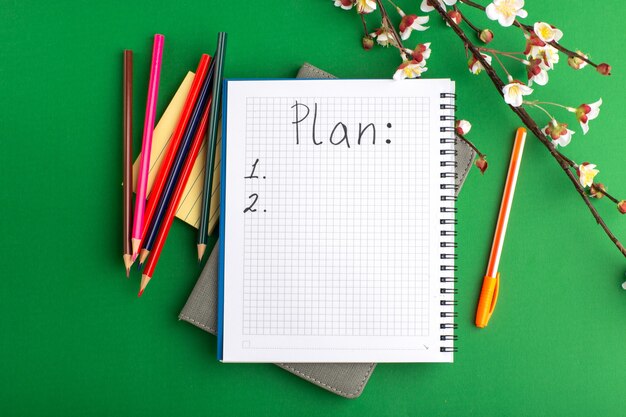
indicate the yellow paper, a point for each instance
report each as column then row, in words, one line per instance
column 190, row 204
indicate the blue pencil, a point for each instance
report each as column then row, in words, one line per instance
column 177, row 165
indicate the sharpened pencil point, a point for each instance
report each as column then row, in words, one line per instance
column 143, row 255
column 201, row 249
column 140, row 292
column 128, row 262
column 144, row 282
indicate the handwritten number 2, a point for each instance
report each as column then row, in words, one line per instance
column 254, row 197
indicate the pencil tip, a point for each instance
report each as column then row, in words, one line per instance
column 201, row 249
column 128, row 262
column 143, row 255
column 144, row 282
column 140, row 292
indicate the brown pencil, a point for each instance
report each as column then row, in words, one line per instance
column 128, row 156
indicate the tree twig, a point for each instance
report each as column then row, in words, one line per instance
column 365, row 32
column 386, row 18
column 470, row 24
column 529, row 28
column 528, row 121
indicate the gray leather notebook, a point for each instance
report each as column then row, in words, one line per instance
column 347, row 380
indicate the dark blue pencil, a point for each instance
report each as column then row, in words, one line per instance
column 172, row 178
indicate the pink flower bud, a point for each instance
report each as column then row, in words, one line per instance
column 486, row 35
column 368, row 42
column 576, row 62
column 455, row 16
column 621, row 206
column 596, row 190
column 604, row 69
column 462, row 127
column 481, row 163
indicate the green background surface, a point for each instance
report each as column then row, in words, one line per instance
column 76, row 340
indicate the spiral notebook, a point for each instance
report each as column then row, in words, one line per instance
column 337, row 221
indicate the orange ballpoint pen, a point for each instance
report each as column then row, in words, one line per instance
column 491, row 281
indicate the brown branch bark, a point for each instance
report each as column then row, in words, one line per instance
column 467, row 21
column 529, row 122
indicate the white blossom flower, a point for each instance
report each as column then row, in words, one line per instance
column 558, row 133
column 463, row 127
column 537, row 72
column 410, row 69
column 425, row 7
column 411, row 22
column 475, row 66
column 421, row 52
column 344, row 4
column 505, row 11
column 383, row 36
column 365, row 6
column 547, row 32
column 514, row 92
column 549, row 55
column 586, row 112
column 586, row 173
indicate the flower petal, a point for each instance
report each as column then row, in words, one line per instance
column 584, row 127
column 425, row 7
column 492, row 12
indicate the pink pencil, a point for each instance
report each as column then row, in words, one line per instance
column 146, row 145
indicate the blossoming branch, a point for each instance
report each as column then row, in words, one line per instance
column 541, row 53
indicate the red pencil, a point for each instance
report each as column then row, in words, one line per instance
column 176, row 196
column 172, row 147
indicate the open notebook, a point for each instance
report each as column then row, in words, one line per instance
column 337, row 221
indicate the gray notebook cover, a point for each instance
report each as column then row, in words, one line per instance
column 347, row 380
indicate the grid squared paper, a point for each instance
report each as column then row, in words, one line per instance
column 334, row 244
column 309, row 268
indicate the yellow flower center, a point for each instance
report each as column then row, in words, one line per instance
column 507, row 8
column 514, row 90
column 545, row 31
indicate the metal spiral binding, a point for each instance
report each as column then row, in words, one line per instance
column 447, row 222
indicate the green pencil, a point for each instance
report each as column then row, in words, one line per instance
column 203, row 230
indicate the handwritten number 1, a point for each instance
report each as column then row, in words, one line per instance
column 253, row 169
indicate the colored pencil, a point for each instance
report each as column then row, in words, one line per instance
column 153, row 259
column 146, row 145
column 203, row 230
column 128, row 158
column 177, row 165
column 174, row 143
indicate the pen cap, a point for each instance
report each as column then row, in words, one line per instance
column 488, row 299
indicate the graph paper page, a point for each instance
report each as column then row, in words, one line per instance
column 331, row 232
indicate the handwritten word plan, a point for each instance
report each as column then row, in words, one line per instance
column 336, row 221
